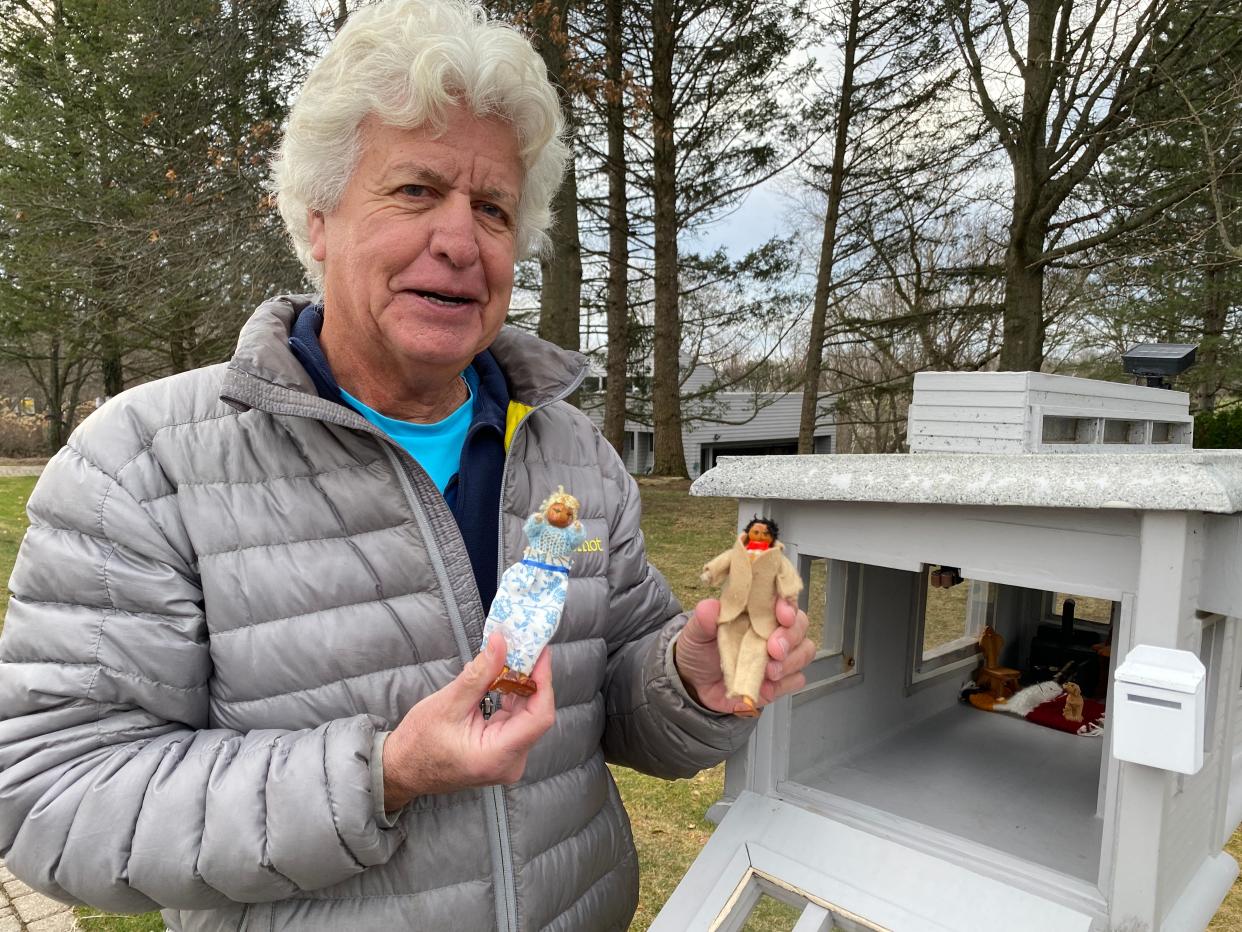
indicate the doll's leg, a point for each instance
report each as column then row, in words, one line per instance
column 752, row 662
column 729, row 641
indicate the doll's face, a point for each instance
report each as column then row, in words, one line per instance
column 559, row 515
column 759, row 533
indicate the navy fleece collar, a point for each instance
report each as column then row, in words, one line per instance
column 490, row 405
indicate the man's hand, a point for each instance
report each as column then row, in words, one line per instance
column 444, row 744
column 698, row 658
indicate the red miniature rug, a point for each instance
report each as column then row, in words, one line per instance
column 1051, row 714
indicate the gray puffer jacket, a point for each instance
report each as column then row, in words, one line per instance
column 231, row 586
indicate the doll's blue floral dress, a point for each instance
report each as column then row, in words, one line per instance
column 531, row 594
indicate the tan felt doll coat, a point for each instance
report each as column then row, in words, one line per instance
column 747, row 610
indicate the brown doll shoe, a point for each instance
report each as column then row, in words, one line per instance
column 514, row 683
column 747, row 709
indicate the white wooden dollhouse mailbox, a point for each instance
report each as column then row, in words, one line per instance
column 876, row 798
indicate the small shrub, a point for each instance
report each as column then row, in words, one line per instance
column 21, row 435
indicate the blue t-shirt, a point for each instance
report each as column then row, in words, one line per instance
column 435, row 447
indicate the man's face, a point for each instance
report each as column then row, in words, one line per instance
column 759, row 534
column 418, row 255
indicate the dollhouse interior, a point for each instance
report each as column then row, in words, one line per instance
column 1028, row 787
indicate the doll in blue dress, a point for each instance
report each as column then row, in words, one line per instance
column 531, row 595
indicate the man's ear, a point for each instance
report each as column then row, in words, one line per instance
column 317, row 235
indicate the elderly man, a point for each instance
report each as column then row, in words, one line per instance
column 242, row 669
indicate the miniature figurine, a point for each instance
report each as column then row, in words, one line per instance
column 1073, row 703
column 757, row 572
column 530, row 597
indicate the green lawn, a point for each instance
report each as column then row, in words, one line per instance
column 13, row 494
column 668, row 816
column 95, row 921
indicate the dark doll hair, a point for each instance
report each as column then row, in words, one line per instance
column 771, row 526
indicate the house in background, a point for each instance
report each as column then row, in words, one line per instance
column 727, row 423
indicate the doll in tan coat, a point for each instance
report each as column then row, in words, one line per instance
column 755, row 572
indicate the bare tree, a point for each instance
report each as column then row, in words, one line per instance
column 931, row 301
column 889, row 75
column 1058, row 82
column 560, row 295
column 618, row 306
column 720, row 83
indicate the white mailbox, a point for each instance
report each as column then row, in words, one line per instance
column 1158, row 705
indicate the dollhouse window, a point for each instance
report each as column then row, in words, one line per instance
column 1211, row 655
column 948, row 619
column 1087, row 609
column 830, row 599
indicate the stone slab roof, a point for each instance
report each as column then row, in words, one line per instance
column 1206, row 481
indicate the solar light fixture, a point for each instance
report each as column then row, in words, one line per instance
column 1158, row 362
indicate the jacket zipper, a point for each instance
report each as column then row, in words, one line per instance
column 493, row 796
column 493, row 800
column 498, row 804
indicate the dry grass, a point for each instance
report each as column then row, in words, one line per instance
column 946, row 615
column 1229, row 916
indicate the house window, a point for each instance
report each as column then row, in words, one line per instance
column 1086, row 608
column 830, row 599
column 594, row 384
column 951, row 614
column 1211, row 655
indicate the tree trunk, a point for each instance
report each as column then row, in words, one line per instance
column 1215, row 315
column 55, row 417
column 1022, row 346
column 1022, row 342
column 827, row 250
column 618, row 306
column 110, row 363
column 180, row 338
column 670, row 453
column 560, row 297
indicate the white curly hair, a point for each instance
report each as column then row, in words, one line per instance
column 407, row 62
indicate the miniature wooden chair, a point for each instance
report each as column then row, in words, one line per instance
column 997, row 681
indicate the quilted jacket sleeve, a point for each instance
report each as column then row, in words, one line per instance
column 113, row 790
column 653, row 725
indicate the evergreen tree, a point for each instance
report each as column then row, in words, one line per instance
column 1177, row 278
column 890, row 75
column 134, row 138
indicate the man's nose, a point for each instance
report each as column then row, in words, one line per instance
column 454, row 237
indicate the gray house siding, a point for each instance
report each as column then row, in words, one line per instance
column 727, row 424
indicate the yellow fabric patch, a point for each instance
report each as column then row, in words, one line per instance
column 513, row 417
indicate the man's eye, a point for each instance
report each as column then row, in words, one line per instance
column 414, row 190
column 495, row 212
